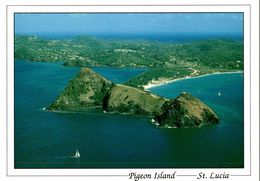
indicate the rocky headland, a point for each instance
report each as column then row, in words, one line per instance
column 186, row 111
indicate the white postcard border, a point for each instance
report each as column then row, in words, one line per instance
column 116, row 9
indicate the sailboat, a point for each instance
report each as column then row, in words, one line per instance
column 77, row 154
column 219, row 94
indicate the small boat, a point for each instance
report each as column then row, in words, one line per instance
column 219, row 94
column 77, row 154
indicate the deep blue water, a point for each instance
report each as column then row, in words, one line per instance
column 48, row 140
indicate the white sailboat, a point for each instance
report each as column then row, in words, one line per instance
column 219, row 94
column 77, row 154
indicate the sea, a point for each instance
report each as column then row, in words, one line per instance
column 49, row 140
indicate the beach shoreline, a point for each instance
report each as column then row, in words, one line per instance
column 168, row 81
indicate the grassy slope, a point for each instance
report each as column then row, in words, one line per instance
column 128, row 99
column 86, row 89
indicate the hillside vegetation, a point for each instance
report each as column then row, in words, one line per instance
column 87, row 89
column 165, row 60
column 186, row 111
column 131, row 100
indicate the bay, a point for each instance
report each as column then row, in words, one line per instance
column 48, row 140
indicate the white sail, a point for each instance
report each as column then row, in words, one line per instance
column 219, row 94
column 77, row 154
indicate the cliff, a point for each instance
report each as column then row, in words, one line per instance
column 186, row 111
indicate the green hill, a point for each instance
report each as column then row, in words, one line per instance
column 186, row 111
column 86, row 90
column 131, row 100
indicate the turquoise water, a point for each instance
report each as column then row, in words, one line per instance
column 48, row 140
column 119, row 75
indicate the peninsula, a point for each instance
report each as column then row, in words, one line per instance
column 89, row 90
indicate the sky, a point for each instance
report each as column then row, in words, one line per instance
column 227, row 23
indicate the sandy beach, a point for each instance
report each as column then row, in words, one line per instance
column 155, row 83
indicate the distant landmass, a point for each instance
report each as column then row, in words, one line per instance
column 165, row 61
column 89, row 90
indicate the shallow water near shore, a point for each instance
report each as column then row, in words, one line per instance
column 48, row 140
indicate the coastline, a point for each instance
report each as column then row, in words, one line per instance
column 168, row 81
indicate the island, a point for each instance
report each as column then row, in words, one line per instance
column 88, row 90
